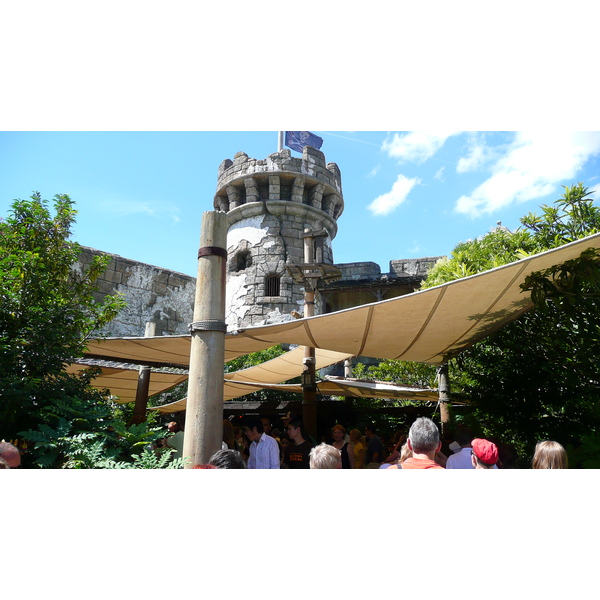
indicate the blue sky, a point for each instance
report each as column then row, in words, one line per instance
column 407, row 194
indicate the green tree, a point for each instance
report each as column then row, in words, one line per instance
column 499, row 247
column 47, row 312
column 398, row 372
column 538, row 378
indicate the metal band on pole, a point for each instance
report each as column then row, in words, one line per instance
column 208, row 325
column 212, row 251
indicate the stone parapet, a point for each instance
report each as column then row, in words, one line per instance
column 413, row 266
column 307, row 180
column 359, row 270
column 296, row 213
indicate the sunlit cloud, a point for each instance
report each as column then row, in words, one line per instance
column 388, row 202
column 593, row 186
column 440, row 174
column 374, row 171
column 479, row 153
column 129, row 208
column 595, row 195
column 533, row 166
column 416, row 146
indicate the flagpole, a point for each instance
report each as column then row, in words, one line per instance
column 280, row 141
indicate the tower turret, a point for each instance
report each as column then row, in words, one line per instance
column 269, row 204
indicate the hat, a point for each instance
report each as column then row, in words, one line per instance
column 485, row 451
column 455, row 447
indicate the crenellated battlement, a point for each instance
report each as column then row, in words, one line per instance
column 307, row 180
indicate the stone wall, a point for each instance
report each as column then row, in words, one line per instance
column 166, row 297
column 363, row 282
column 359, row 270
column 153, row 294
column 413, row 266
column 260, row 246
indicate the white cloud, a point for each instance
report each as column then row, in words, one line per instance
column 595, row 189
column 374, row 171
column 122, row 207
column 416, row 146
column 128, row 207
column 476, row 157
column 388, row 202
column 533, row 166
column 440, row 174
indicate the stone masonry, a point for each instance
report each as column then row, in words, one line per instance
column 270, row 204
column 153, row 294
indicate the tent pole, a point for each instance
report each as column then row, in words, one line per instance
column 203, row 433
column 444, row 397
column 309, row 380
column 143, row 385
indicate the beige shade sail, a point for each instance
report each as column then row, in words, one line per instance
column 429, row 326
column 330, row 386
column 282, row 368
column 122, row 381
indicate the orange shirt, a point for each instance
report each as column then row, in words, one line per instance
column 420, row 463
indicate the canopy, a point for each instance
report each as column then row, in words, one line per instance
column 122, row 380
column 428, row 326
column 279, row 369
column 331, row 386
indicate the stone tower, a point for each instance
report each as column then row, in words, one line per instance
column 270, row 204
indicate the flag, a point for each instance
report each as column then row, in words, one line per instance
column 296, row 140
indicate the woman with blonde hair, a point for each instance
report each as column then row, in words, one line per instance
column 549, row 455
column 346, row 448
column 360, row 449
column 405, row 452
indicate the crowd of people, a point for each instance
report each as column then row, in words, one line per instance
column 257, row 445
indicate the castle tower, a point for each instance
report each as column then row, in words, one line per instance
column 270, row 204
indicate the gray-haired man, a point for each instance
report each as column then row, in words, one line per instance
column 424, row 441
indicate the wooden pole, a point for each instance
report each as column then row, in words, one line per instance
column 444, row 397
column 203, row 433
column 143, row 385
column 309, row 379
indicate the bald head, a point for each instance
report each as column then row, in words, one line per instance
column 9, row 455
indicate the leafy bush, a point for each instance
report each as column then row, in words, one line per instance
column 48, row 309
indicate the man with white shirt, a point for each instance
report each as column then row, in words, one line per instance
column 462, row 459
column 264, row 450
